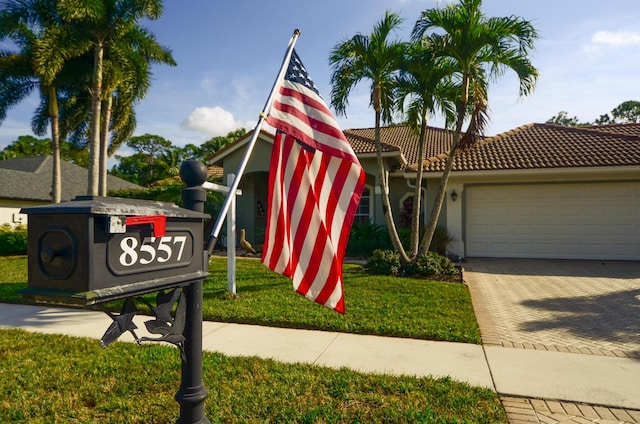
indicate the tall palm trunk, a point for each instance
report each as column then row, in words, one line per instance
column 439, row 200
column 384, row 184
column 94, row 141
column 417, row 195
column 56, row 177
column 104, row 139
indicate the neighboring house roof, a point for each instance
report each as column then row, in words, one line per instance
column 538, row 146
column 215, row 172
column 30, row 179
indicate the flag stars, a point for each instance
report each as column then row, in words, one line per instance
column 296, row 72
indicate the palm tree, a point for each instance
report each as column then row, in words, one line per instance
column 23, row 23
column 424, row 88
column 481, row 48
column 377, row 59
column 128, row 79
column 92, row 27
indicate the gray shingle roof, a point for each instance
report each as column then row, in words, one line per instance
column 30, row 179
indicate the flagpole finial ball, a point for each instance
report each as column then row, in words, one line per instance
column 193, row 173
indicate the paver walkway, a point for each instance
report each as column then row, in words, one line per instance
column 582, row 307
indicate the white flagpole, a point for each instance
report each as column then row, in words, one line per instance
column 213, row 237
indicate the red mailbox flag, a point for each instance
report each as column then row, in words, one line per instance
column 315, row 184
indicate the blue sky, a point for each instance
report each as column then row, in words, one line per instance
column 228, row 54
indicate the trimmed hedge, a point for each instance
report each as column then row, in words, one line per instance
column 13, row 241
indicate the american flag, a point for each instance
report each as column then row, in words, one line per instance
column 315, row 183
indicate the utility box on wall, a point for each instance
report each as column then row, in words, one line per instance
column 97, row 249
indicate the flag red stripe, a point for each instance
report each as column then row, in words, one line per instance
column 315, row 184
column 324, row 125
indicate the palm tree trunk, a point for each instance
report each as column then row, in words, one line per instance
column 94, row 140
column 417, row 195
column 104, row 138
column 56, row 177
column 386, row 204
column 439, row 200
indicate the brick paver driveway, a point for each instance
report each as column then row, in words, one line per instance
column 587, row 307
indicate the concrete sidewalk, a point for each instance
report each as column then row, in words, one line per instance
column 598, row 380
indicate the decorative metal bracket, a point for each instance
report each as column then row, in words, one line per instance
column 170, row 329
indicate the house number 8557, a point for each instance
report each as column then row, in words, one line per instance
column 148, row 251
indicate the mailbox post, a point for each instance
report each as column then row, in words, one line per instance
column 192, row 393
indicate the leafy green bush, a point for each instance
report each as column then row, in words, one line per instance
column 429, row 265
column 13, row 241
column 440, row 240
column 384, row 262
column 365, row 238
column 405, row 237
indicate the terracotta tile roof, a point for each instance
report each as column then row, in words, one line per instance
column 532, row 146
column 537, row 146
column 627, row 129
column 214, row 172
column 401, row 138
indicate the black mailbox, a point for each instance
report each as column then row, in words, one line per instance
column 97, row 249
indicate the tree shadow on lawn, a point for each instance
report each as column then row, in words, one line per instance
column 612, row 317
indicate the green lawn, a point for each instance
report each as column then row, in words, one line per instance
column 379, row 305
column 60, row 379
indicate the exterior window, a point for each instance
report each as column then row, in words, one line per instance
column 406, row 209
column 363, row 213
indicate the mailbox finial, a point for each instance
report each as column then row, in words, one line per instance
column 193, row 173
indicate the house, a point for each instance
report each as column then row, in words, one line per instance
column 27, row 182
column 537, row 191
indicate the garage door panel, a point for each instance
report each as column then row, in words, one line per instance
column 570, row 221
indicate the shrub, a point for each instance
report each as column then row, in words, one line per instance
column 405, row 237
column 13, row 241
column 440, row 240
column 429, row 265
column 384, row 262
column 365, row 238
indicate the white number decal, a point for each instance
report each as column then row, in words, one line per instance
column 164, row 248
column 151, row 249
column 129, row 255
column 147, row 248
column 182, row 240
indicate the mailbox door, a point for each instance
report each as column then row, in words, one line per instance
column 57, row 253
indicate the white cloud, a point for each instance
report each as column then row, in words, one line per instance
column 604, row 39
column 214, row 121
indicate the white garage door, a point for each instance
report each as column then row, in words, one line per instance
column 563, row 221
